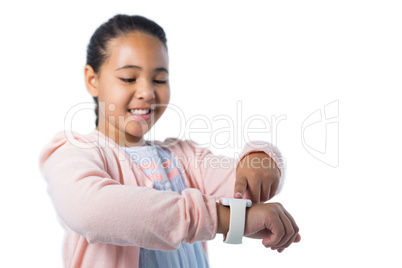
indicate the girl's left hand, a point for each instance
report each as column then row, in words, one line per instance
column 257, row 178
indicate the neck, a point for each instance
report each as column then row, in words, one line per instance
column 121, row 138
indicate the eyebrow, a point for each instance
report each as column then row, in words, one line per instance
column 160, row 69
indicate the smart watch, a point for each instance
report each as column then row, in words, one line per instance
column 237, row 218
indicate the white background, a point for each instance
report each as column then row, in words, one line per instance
column 286, row 58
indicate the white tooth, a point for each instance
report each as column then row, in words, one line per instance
column 139, row 111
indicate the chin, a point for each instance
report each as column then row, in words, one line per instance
column 137, row 132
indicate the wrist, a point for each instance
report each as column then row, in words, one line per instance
column 223, row 214
column 247, row 220
column 237, row 212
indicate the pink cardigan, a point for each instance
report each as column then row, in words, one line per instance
column 109, row 209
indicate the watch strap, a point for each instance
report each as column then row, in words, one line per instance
column 237, row 221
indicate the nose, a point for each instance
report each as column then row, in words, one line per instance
column 145, row 91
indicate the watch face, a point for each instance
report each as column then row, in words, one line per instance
column 226, row 201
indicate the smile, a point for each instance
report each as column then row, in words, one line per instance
column 140, row 111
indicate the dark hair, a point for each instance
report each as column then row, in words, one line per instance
column 117, row 26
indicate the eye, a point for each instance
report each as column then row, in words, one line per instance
column 127, row 80
column 160, row 81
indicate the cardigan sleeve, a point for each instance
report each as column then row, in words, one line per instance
column 98, row 207
column 216, row 174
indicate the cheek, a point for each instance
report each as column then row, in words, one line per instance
column 115, row 98
column 164, row 96
column 168, row 96
column 163, row 99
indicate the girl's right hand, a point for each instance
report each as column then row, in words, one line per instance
column 273, row 224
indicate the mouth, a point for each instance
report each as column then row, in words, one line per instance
column 140, row 111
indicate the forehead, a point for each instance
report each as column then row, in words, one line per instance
column 137, row 48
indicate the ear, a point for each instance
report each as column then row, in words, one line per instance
column 91, row 81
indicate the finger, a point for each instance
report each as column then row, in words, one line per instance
column 298, row 238
column 265, row 191
column 278, row 231
column 246, row 196
column 254, row 191
column 274, row 188
column 290, row 234
column 296, row 234
column 292, row 220
column 240, row 187
column 278, row 249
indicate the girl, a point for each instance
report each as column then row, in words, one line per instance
column 128, row 202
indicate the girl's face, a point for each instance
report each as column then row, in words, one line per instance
column 132, row 81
